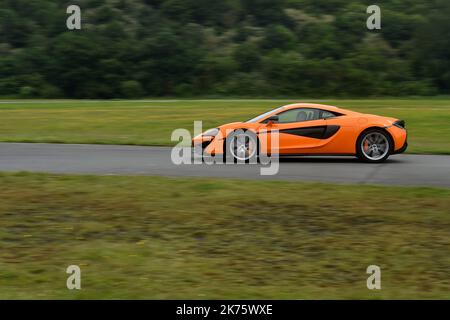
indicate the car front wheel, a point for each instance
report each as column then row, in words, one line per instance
column 242, row 146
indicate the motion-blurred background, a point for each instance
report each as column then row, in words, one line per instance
column 138, row 48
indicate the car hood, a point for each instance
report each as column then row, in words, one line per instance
column 239, row 124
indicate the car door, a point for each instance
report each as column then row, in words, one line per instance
column 300, row 130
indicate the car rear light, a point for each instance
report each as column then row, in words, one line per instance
column 400, row 124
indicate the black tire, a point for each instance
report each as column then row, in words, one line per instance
column 231, row 156
column 374, row 145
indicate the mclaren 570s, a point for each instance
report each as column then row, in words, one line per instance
column 306, row 129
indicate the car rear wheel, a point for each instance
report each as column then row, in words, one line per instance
column 373, row 145
column 241, row 146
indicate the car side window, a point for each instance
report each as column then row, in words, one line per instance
column 298, row 115
column 327, row 114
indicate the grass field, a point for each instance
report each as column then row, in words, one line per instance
column 219, row 238
column 152, row 122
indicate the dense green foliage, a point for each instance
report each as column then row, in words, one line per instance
column 135, row 48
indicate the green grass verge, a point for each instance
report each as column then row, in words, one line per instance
column 152, row 122
column 154, row 237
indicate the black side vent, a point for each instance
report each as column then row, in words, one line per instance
column 400, row 124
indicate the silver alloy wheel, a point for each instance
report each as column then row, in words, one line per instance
column 375, row 146
column 242, row 147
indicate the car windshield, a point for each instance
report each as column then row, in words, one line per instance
column 262, row 116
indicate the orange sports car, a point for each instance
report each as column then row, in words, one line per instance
column 307, row 129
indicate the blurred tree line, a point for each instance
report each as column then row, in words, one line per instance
column 137, row 48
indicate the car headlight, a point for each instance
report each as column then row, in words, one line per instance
column 211, row 132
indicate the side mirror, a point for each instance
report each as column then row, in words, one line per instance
column 271, row 120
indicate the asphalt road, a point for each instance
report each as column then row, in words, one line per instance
column 419, row 170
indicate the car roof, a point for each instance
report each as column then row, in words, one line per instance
column 316, row 106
